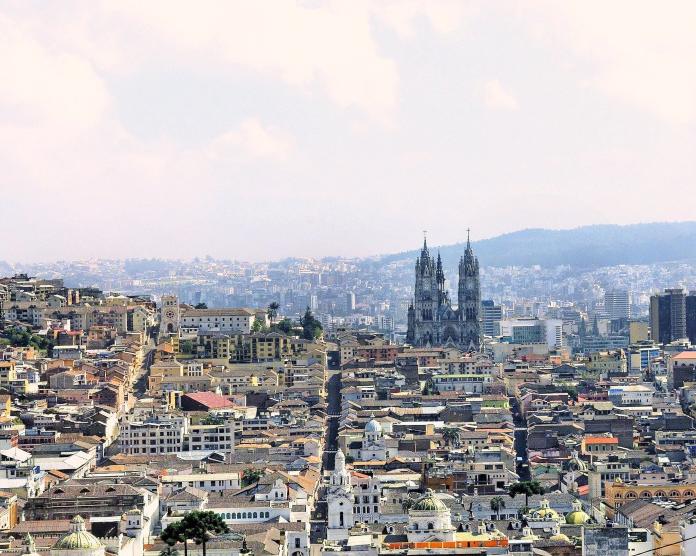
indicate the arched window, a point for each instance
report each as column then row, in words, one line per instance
column 688, row 494
column 617, row 495
column 255, row 515
column 631, row 495
column 431, row 526
column 645, row 495
column 660, row 494
column 674, row 494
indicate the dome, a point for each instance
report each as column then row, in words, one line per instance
column 373, row 426
column 545, row 511
column 78, row 538
column 429, row 503
column 575, row 463
column 577, row 516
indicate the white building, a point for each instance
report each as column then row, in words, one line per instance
column 170, row 434
column 339, row 499
column 229, row 320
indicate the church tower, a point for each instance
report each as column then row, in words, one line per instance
column 432, row 320
column 469, row 298
column 339, row 499
column 169, row 315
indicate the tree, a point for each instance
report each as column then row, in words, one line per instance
column 258, row 325
column 311, row 327
column 273, row 312
column 201, row 526
column 201, row 306
column 407, row 503
column 528, row 488
column 186, row 347
column 169, row 551
column 251, row 476
column 452, row 437
column 173, row 534
column 285, row 326
column 497, row 504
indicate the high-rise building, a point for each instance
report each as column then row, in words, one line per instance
column 617, row 304
column 691, row 317
column 491, row 315
column 432, row 320
column 350, row 302
column 668, row 316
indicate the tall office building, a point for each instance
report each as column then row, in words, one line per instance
column 491, row 315
column 668, row 316
column 350, row 302
column 691, row 317
column 617, row 304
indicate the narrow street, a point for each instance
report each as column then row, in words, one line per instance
column 318, row 525
column 520, row 440
column 334, row 409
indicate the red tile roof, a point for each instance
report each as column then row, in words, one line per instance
column 209, row 399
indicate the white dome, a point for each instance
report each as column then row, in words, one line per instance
column 373, row 426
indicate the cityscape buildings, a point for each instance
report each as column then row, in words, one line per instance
column 384, row 421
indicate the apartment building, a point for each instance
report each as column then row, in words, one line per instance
column 170, row 434
column 228, row 320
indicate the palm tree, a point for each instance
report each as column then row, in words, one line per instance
column 528, row 488
column 273, row 311
column 452, row 437
column 497, row 504
column 202, row 526
column 173, row 534
column 407, row 503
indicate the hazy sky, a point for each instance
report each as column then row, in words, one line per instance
column 259, row 130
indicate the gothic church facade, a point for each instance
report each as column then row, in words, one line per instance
column 432, row 320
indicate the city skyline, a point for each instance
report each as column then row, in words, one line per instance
column 353, row 123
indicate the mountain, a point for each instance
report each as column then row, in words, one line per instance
column 584, row 247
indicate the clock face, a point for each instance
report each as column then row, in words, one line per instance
column 169, row 314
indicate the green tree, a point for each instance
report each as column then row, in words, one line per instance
column 452, row 437
column 173, row 534
column 311, row 327
column 201, row 306
column 169, row 551
column 528, row 488
column 186, row 346
column 273, row 312
column 285, row 326
column 201, row 526
column 497, row 504
column 251, row 476
column 258, row 325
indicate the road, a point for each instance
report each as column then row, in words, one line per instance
column 520, row 440
column 334, row 403
column 140, row 385
column 318, row 522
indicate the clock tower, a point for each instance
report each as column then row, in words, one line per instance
column 169, row 315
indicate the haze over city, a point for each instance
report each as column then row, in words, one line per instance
column 347, row 278
column 263, row 130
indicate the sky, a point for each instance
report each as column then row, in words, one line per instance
column 265, row 129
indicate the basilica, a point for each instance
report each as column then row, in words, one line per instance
column 432, row 320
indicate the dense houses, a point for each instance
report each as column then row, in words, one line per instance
column 121, row 415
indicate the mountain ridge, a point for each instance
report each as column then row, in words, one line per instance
column 586, row 246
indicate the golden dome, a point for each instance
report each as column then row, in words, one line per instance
column 78, row 538
column 577, row 516
column 545, row 511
